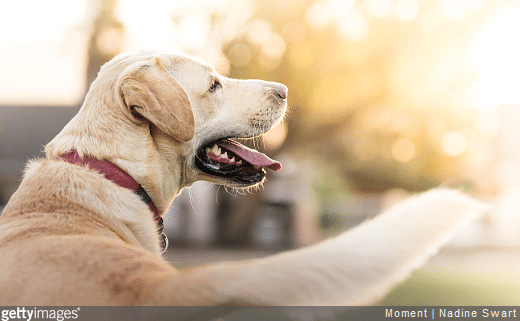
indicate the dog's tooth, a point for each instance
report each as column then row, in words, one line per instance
column 224, row 155
column 208, row 150
column 239, row 163
column 232, row 161
column 216, row 150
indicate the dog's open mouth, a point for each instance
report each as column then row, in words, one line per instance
column 229, row 159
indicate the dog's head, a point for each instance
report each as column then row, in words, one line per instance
column 193, row 113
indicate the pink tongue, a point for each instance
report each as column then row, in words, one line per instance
column 250, row 155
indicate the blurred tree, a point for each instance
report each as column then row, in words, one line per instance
column 373, row 91
column 106, row 39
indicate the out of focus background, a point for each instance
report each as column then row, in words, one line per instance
column 386, row 98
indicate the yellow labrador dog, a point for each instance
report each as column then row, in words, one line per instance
column 84, row 226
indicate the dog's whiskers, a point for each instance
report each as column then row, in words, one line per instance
column 205, row 191
column 192, row 203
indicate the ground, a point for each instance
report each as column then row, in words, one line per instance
column 469, row 276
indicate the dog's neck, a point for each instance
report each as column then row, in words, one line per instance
column 121, row 178
column 101, row 132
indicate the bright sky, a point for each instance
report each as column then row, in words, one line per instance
column 496, row 56
column 43, row 43
column 42, row 49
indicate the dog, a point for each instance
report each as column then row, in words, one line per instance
column 84, row 226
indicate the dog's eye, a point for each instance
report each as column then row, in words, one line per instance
column 214, row 86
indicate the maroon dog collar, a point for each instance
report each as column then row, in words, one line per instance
column 121, row 178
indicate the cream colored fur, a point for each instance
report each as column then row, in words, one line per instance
column 68, row 236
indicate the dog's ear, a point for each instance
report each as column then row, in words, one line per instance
column 150, row 92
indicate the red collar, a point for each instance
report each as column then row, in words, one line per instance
column 116, row 175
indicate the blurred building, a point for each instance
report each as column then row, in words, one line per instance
column 283, row 214
column 23, row 133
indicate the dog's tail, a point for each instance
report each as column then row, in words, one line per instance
column 354, row 268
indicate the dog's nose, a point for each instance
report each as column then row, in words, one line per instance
column 281, row 91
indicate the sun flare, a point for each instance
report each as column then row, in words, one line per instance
column 495, row 56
